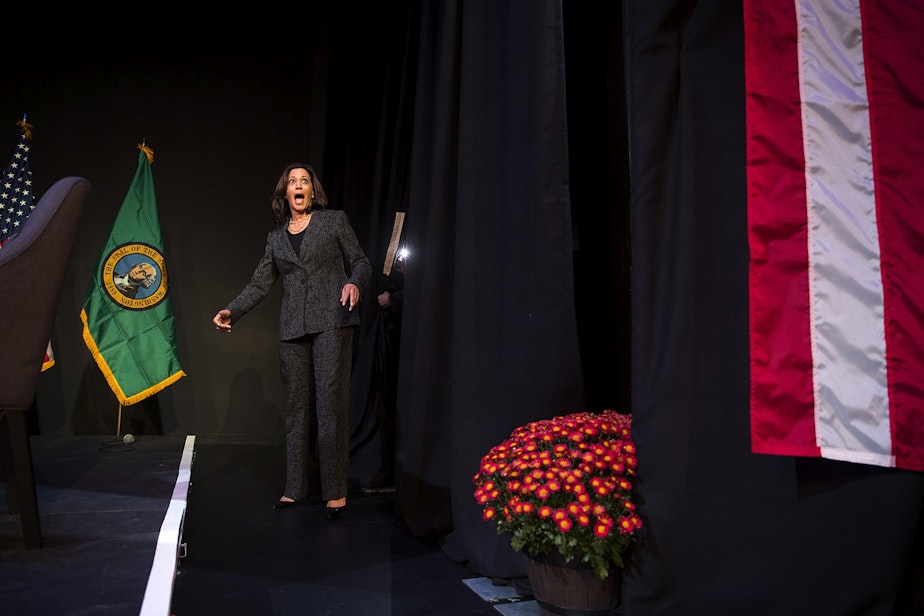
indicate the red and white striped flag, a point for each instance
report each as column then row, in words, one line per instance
column 835, row 146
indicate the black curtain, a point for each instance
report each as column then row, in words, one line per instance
column 490, row 336
column 728, row 532
column 517, row 286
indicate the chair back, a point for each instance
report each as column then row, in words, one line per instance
column 33, row 264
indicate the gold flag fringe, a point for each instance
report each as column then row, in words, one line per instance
column 111, row 378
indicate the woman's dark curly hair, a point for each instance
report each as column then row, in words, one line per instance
column 279, row 204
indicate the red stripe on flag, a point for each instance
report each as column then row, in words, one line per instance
column 782, row 420
column 894, row 57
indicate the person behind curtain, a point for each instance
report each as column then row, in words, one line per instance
column 324, row 272
column 387, row 355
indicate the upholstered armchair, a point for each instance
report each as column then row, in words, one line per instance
column 33, row 264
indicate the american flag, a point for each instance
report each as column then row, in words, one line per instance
column 17, row 200
column 835, row 104
column 16, row 197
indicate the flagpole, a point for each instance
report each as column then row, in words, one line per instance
column 119, row 422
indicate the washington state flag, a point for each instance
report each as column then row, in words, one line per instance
column 128, row 314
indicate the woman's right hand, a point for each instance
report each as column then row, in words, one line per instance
column 222, row 321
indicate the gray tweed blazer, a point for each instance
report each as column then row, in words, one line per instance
column 313, row 280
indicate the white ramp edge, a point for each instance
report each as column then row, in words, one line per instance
column 159, row 593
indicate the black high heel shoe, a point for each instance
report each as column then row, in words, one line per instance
column 334, row 512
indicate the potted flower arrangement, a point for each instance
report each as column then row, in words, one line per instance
column 565, row 485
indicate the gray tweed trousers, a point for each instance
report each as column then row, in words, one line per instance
column 316, row 371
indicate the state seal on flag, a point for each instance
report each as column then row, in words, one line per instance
column 134, row 276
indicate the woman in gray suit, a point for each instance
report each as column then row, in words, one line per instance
column 308, row 249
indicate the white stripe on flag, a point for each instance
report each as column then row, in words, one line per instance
column 845, row 284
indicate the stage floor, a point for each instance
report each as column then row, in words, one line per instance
column 121, row 539
column 111, row 517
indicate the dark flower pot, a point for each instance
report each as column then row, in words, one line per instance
column 572, row 589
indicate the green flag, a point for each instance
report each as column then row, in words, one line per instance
column 128, row 315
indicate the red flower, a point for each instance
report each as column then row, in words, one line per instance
column 603, row 526
column 564, row 484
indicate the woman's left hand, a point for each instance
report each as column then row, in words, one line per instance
column 350, row 295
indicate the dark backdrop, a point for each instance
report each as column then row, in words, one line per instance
column 729, row 532
column 501, row 128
